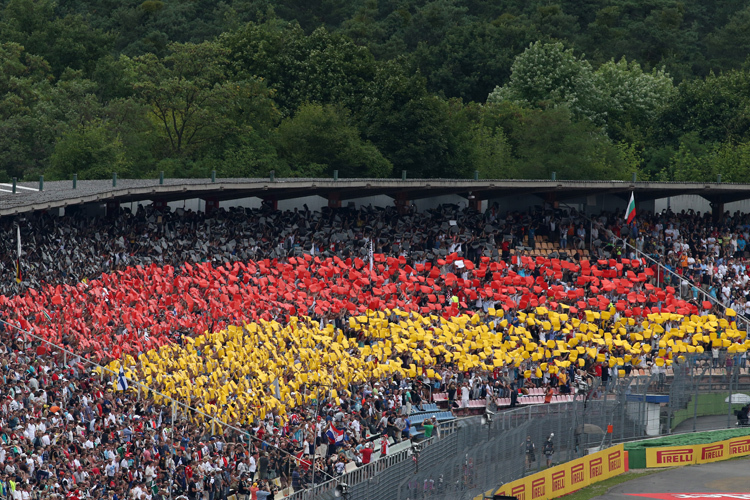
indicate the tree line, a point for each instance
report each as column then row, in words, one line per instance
column 596, row 89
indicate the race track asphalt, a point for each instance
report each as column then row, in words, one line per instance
column 730, row 476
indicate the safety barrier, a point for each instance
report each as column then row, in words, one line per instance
column 566, row 478
column 676, row 456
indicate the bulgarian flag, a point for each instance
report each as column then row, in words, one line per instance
column 630, row 212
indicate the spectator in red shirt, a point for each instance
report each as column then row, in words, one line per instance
column 367, row 454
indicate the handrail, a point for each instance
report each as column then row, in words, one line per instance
column 692, row 283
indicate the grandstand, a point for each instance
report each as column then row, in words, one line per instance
column 256, row 346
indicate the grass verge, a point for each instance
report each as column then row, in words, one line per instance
column 602, row 487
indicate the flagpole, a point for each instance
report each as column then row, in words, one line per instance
column 315, row 438
column 371, row 254
column 18, row 255
column 630, row 210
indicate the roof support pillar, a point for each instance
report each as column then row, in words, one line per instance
column 717, row 211
column 270, row 203
column 334, row 200
column 159, row 204
column 402, row 202
column 475, row 202
column 112, row 208
column 551, row 198
column 212, row 205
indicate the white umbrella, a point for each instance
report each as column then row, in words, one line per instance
column 589, row 429
column 738, row 399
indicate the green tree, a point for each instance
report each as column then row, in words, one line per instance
column 192, row 98
column 312, row 15
column 634, row 98
column 65, row 42
column 414, row 129
column 729, row 46
column 318, row 140
column 657, row 33
column 553, row 22
column 546, row 75
column 732, row 162
column 492, row 155
column 129, row 119
column 251, row 155
column 469, row 60
column 716, row 108
column 691, row 162
column 24, row 83
column 320, row 68
column 550, row 140
column 432, row 21
column 91, row 151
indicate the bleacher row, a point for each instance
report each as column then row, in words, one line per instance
column 543, row 247
column 535, row 395
column 531, row 399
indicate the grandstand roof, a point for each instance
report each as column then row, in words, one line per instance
column 61, row 193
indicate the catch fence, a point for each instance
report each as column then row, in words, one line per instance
column 471, row 456
column 708, row 392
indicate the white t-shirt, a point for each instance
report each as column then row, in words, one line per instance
column 464, row 392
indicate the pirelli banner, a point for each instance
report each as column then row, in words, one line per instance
column 568, row 477
column 675, row 456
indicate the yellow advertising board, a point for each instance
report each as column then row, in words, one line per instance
column 711, row 452
column 568, row 477
column 539, row 485
column 738, row 447
column 675, row 456
column 516, row 488
column 670, row 456
column 615, row 462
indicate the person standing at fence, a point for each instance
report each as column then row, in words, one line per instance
column 384, row 446
column 661, row 376
column 548, row 394
column 549, row 450
column 605, row 377
column 366, row 453
column 407, row 401
column 429, row 426
column 464, row 395
column 715, row 357
column 530, row 455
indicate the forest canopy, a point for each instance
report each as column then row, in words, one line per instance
column 594, row 89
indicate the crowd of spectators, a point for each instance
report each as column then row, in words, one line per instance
column 67, row 434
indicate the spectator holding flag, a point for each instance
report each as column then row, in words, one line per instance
column 336, row 438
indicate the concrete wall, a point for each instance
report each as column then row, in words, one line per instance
column 589, row 204
column 699, row 204
column 315, row 203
